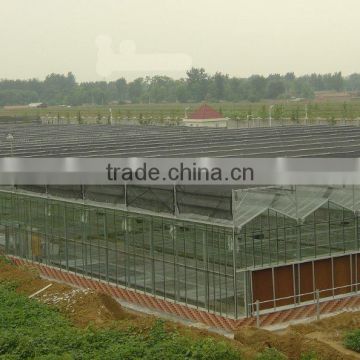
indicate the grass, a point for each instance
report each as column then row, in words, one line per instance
column 31, row 330
column 271, row 354
column 352, row 340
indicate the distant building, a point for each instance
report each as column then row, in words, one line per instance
column 37, row 105
column 205, row 115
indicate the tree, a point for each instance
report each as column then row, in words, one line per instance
column 257, row 87
column 57, row 89
column 162, row 88
column 196, row 86
column 275, row 88
column 197, row 81
column 122, row 90
column 136, row 90
column 181, row 91
column 353, row 82
column 219, row 81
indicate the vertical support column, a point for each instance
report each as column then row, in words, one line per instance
column 356, row 272
column 174, row 234
column 356, row 214
column 332, row 277
column 66, row 239
column 206, row 268
column 106, row 247
column 298, row 227
column 116, row 247
column 351, row 272
column 273, row 287
column 247, row 292
column 329, row 228
column 125, row 196
column 175, row 242
column 317, row 293
column 185, row 267
column 46, row 215
column 175, row 204
column 313, row 279
column 127, row 254
column 84, row 253
column 257, row 313
column 7, row 239
column 234, row 260
column 235, row 273
column 18, row 242
column 84, row 237
column 196, row 266
column 151, row 239
column 298, row 240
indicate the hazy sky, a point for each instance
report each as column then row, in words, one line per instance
column 238, row 37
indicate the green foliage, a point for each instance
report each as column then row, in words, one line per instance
column 295, row 115
column 197, row 86
column 173, row 113
column 263, row 114
column 80, row 118
column 352, row 340
column 278, row 111
column 4, row 261
column 309, row 356
column 275, row 88
column 271, row 354
column 31, row 330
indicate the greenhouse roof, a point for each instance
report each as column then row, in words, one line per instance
column 36, row 140
column 295, row 202
column 210, row 202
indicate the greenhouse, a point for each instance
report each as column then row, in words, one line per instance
column 277, row 234
column 218, row 249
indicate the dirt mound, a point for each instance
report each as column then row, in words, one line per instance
column 290, row 344
column 337, row 323
column 257, row 338
column 26, row 279
column 293, row 344
column 84, row 306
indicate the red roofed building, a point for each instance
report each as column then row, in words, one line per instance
column 205, row 115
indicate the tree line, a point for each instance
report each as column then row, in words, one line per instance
column 197, row 86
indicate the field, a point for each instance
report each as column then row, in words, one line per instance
column 297, row 111
column 67, row 323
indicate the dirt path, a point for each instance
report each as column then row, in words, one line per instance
column 336, row 345
column 323, row 338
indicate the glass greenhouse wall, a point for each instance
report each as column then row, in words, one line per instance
column 187, row 262
column 280, row 225
column 278, row 238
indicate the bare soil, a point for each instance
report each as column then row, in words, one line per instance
column 323, row 338
column 82, row 306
